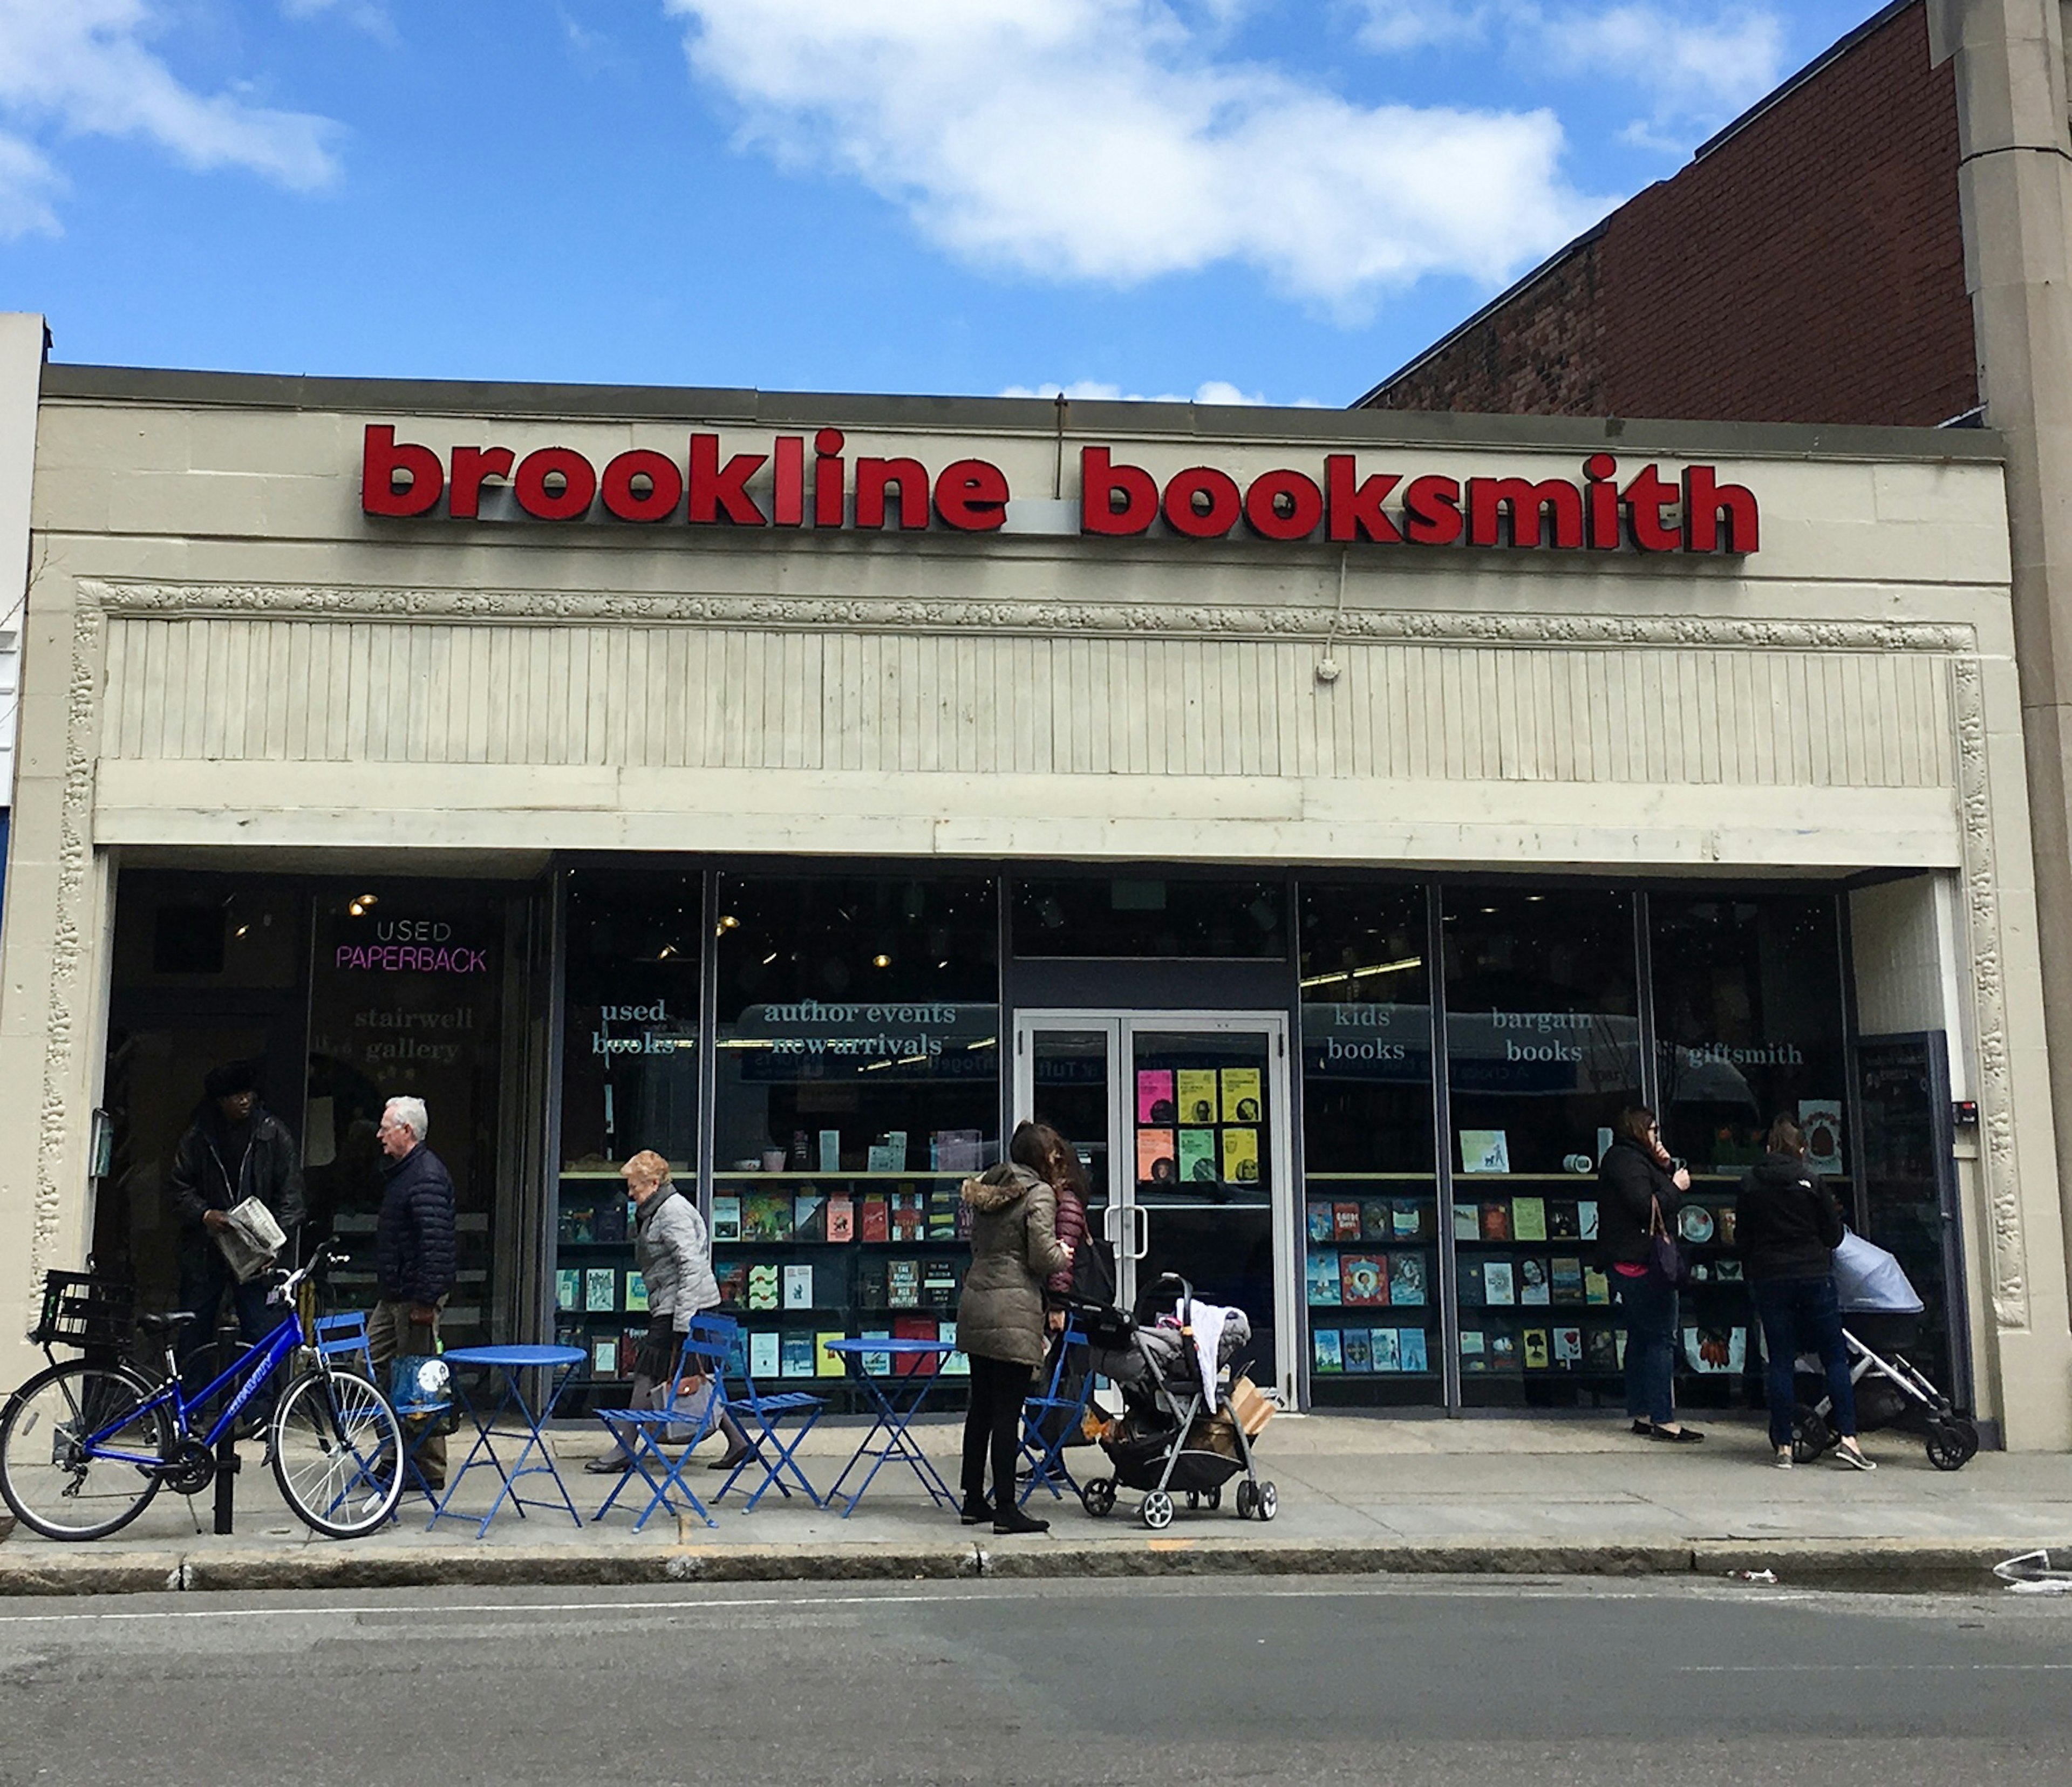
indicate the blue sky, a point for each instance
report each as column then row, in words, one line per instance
column 1281, row 199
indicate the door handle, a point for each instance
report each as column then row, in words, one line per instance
column 1143, row 1230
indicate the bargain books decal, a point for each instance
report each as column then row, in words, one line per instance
column 791, row 483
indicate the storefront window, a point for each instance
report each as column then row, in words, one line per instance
column 1149, row 917
column 629, row 1083
column 1543, row 1045
column 1371, row 1184
column 858, row 1083
column 1748, row 1027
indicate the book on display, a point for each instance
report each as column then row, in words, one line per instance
column 1195, row 1094
column 1384, row 1350
column 1323, row 1278
column 1411, row 1350
column 1241, row 1099
column 1407, row 1277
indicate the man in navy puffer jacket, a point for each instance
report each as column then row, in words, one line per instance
column 413, row 1256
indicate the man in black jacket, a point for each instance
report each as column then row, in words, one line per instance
column 234, row 1150
column 413, row 1256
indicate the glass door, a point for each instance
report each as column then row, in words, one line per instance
column 1182, row 1118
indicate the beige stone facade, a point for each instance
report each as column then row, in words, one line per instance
column 228, row 664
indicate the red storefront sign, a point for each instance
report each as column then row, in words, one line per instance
column 1606, row 509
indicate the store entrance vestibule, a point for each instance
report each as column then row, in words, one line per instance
column 1182, row 1120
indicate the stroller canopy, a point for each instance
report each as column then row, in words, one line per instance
column 1869, row 1281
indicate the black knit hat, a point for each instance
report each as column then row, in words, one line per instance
column 231, row 1078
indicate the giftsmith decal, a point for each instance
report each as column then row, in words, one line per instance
column 1608, row 510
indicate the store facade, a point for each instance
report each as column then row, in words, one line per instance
column 1330, row 820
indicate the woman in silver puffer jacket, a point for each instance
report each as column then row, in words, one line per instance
column 1000, row 1314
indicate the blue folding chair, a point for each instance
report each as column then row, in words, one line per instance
column 760, row 1416
column 646, row 1434
column 1051, row 1419
column 343, row 1335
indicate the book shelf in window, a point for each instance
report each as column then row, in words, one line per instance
column 803, row 1257
column 600, row 1299
column 1371, row 1284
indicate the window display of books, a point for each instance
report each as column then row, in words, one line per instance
column 600, row 1299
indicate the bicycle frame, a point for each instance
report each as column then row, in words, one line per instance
column 261, row 1361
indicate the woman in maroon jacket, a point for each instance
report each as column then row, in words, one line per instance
column 1068, row 1179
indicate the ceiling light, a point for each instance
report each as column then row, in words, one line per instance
column 881, row 961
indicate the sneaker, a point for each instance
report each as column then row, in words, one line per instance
column 1783, row 1461
column 1854, row 1459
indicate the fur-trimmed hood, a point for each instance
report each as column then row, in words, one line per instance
column 999, row 1186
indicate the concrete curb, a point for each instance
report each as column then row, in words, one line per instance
column 1889, row 1563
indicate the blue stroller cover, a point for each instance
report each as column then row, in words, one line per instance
column 1869, row 1281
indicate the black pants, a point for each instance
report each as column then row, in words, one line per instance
column 998, row 1388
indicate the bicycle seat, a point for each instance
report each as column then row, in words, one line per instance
column 166, row 1324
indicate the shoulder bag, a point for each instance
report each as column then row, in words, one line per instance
column 1665, row 1258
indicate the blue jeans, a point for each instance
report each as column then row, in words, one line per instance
column 1650, row 1346
column 1802, row 1315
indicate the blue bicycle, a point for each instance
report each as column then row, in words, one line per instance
column 86, row 1444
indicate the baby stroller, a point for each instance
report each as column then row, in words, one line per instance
column 1177, row 1435
column 1882, row 1313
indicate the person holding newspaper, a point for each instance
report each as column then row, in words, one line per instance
column 234, row 1150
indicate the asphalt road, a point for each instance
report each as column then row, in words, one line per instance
column 1439, row 1683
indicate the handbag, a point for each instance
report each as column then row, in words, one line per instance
column 1665, row 1258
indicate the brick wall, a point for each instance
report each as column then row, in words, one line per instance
column 1810, row 269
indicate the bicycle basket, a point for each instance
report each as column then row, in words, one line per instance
column 80, row 1310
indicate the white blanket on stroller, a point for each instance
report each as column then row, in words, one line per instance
column 1208, row 1320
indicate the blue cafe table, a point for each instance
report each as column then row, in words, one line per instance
column 896, row 1397
column 558, row 1365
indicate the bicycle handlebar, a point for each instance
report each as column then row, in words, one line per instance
column 330, row 1254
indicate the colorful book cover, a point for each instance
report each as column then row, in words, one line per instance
column 1567, row 1271
column 763, row 1353
column 940, row 1216
column 841, row 1217
column 1496, row 1221
column 902, row 1283
column 1586, row 1219
column 1499, row 1284
column 579, row 1224
column 1345, row 1222
column 568, row 1287
column 795, row 1356
column 604, row 1356
column 827, row 1364
column 1198, row 1156
column 1713, row 1350
column 1320, row 1220
column 1195, row 1094
column 1157, row 1163
column 1597, row 1288
column 767, row 1216
column 1600, row 1351
column 1568, row 1349
column 1353, row 1349
column 733, row 1280
column 809, row 1218
column 1484, row 1151
column 938, row 1285
column 1323, row 1278
column 1820, row 1120
column 1383, row 1349
column 1467, row 1223
column 762, row 1286
column 905, row 1365
column 797, row 1287
column 636, row 1294
column 1468, row 1282
column 726, row 1219
column 1325, row 1352
column 876, row 1224
column 888, row 1153
column 878, row 1364
column 1363, row 1278
column 1411, row 1345
column 1409, row 1220
column 1154, row 1095
column 1406, row 1279
column 1528, row 1219
column 600, row 1290
column 1474, row 1354
column 1534, row 1282
column 1241, row 1095
column 1377, row 1219
column 1539, row 1355
column 954, row 1364
column 908, row 1220
column 1502, row 1349
column 1561, row 1223
column 1241, row 1156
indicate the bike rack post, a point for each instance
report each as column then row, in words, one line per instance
column 227, row 1462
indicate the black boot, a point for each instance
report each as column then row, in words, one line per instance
column 1013, row 1520
column 977, row 1509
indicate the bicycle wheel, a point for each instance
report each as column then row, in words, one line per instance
column 338, row 1453
column 55, row 1483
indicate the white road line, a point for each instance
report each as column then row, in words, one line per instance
column 1857, row 1669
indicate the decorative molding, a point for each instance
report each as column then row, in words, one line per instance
column 196, row 601
column 63, row 1013
column 2008, row 1262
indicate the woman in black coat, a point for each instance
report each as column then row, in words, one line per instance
column 1789, row 1225
column 1634, row 1180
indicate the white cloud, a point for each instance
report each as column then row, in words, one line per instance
column 1693, row 64
column 1103, row 139
column 81, row 67
column 366, row 15
column 1209, row 391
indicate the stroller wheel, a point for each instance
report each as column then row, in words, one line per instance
column 1193, row 1498
column 1269, row 1501
column 1158, row 1511
column 1098, row 1497
column 1810, row 1435
column 1953, row 1442
column 1247, row 1498
column 1216, row 1498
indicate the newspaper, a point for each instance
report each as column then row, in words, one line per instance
column 251, row 1240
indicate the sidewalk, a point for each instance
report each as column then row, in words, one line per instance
column 1356, row 1495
